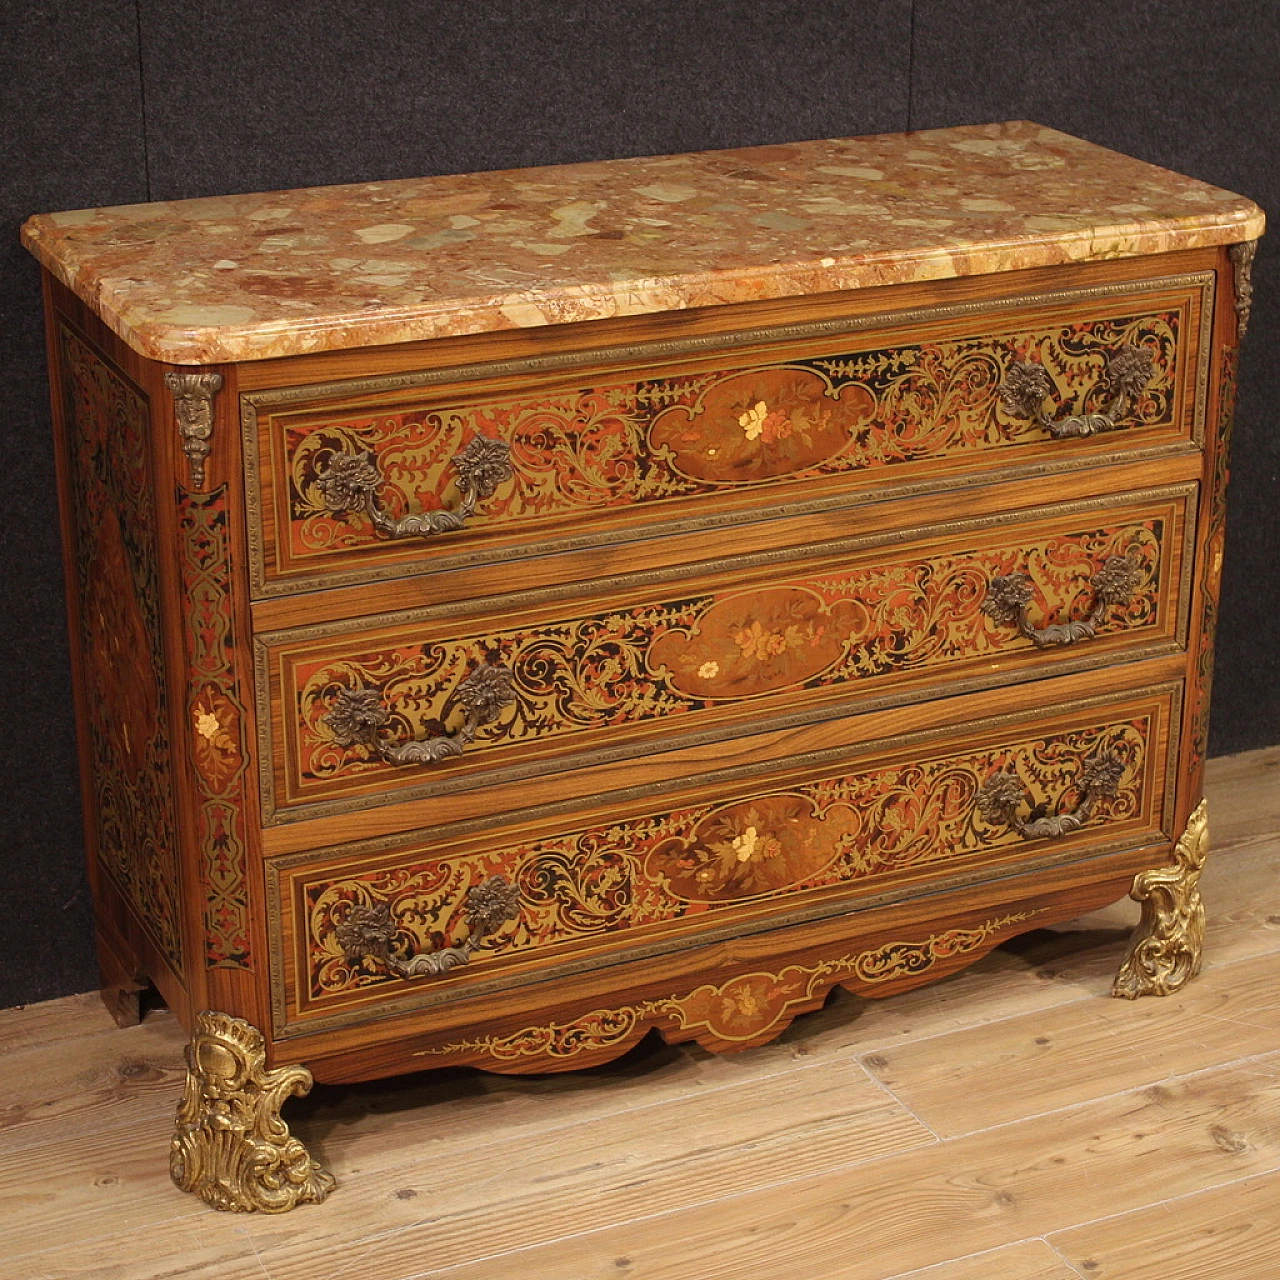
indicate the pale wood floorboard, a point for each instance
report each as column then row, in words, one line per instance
column 1229, row 1232
column 1011, row 1123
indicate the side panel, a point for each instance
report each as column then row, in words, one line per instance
column 111, row 543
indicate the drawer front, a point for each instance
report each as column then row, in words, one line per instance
column 711, row 651
column 377, row 478
column 372, row 928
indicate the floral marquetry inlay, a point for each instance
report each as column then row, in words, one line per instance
column 696, row 657
column 630, row 878
column 638, row 440
column 218, row 738
column 747, row 1008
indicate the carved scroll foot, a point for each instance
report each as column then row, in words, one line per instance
column 231, row 1147
column 1164, row 953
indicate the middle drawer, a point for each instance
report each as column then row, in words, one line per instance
column 381, row 709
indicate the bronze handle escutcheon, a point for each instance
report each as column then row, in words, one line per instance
column 1003, row 794
column 357, row 718
column 1027, row 385
column 1008, row 598
column 370, row 931
column 350, row 483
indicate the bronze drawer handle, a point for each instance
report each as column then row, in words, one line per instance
column 351, row 480
column 1008, row 598
column 1027, row 385
column 357, row 718
column 370, row 931
column 1001, row 796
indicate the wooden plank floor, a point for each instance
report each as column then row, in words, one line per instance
column 1010, row 1123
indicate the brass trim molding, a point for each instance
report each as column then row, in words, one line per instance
column 262, row 586
column 193, row 395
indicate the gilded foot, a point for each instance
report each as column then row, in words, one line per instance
column 1164, row 952
column 231, row 1147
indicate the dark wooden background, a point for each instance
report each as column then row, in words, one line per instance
column 118, row 101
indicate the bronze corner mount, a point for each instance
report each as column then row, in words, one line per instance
column 193, row 394
column 1242, row 259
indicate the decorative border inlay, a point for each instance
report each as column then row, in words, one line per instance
column 741, row 1009
column 217, row 718
column 1211, row 558
column 116, row 560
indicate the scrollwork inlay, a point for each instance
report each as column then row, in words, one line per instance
column 711, row 859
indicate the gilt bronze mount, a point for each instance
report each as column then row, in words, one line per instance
column 1165, row 951
column 231, row 1147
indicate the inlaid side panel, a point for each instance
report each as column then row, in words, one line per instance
column 121, row 639
column 748, row 857
column 786, row 421
column 1210, row 560
column 218, row 723
column 752, row 640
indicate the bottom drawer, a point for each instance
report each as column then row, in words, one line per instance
column 370, row 930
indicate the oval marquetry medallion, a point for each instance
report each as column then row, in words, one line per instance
column 758, row 846
column 758, row 642
column 762, row 423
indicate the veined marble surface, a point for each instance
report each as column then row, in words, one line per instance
column 283, row 273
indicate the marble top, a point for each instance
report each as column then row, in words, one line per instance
column 288, row 272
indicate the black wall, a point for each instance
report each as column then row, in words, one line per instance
column 117, row 101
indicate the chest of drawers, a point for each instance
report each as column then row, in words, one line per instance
column 516, row 612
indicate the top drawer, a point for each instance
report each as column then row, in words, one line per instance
column 374, row 478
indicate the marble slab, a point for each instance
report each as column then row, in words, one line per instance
column 283, row 273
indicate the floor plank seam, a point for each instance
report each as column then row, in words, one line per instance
column 198, row 1213
column 10, row 1134
column 1066, row 1262
column 190, row 1240
column 687, row 1207
column 963, row 1257
column 1234, row 1063
column 1103, row 993
column 1175, row 1078
column 576, row 1122
column 1170, row 1204
column 901, row 1102
column 841, row 1168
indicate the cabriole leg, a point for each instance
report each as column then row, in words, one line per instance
column 1164, row 952
column 231, row 1147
